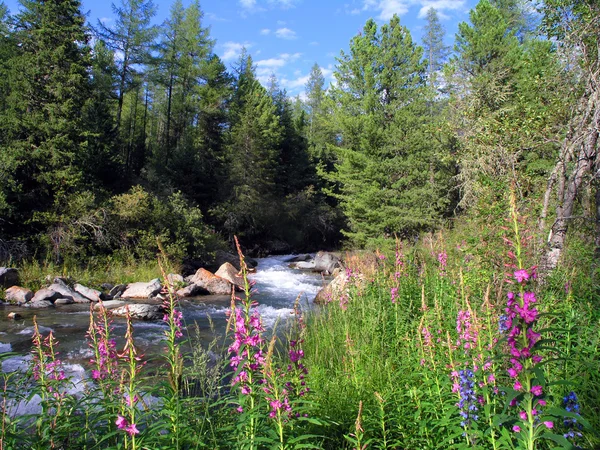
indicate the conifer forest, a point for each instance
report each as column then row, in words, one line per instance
column 458, row 187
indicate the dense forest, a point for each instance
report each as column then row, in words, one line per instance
column 113, row 135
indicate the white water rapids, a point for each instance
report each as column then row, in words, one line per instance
column 276, row 285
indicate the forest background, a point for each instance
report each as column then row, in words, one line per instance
column 114, row 135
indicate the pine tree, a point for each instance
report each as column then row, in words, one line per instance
column 433, row 44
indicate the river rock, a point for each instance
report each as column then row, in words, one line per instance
column 175, row 279
column 332, row 291
column 231, row 274
column 109, row 304
column 142, row 290
column 107, row 286
column 67, row 292
column 326, row 262
column 64, row 301
column 213, row 284
column 14, row 316
column 45, row 294
column 17, row 294
column 140, row 311
column 299, row 258
column 192, row 290
column 38, row 304
column 117, row 290
column 93, row 294
column 8, row 277
column 305, row 265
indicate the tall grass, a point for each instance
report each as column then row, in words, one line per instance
column 410, row 354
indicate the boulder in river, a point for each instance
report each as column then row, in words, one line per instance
column 305, row 265
column 14, row 316
column 212, row 283
column 17, row 294
column 140, row 311
column 192, row 290
column 93, row 294
column 117, row 290
column 326, row 262
column 142, row 290
column 45, row 294
column 66, row 291
column 299, row 258
column 175, row 279
column 63, row 301
column 109, row 304
column 222, row 257
column 231, row 274
column 8, row 277
column 38, row 304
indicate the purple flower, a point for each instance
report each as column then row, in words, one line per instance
column 132, row 429
column 537, row 390
column 523, row 415
column 521, row 275
column 549, row 424
column 121, row 422
column 516, row 428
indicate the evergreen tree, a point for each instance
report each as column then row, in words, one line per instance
column 385, row 185
column 132, row 37
column 433, row 44
column 252, row 158
column 44, row 133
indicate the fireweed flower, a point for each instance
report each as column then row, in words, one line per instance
column 467, row 332
column 443, row 261
column 394, row 294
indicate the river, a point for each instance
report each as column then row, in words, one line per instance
column 277, row 287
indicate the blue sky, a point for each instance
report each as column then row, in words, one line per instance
column 286, row 37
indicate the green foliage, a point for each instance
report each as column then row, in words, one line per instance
column 388, row 177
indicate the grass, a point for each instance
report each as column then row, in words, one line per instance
column 382, row 366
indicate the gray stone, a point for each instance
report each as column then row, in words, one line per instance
column 45, row 294
column 326, row 262
column 67, row 292
column 63, row 301
column 305, row 265
column 140, row 311
column 192, row 290
column 175, row 279
column 17, row 294
column 107, row 286
column 142, row 290
column 14, row 316
column 117, row 290
column 38, row 304
column 109, row 304
column 93, row 294
column 299, row 258
column 8, row 277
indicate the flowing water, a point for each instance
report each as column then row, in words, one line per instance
column 277, row 288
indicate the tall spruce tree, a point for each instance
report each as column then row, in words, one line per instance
column 44, row 133
column 385, row 185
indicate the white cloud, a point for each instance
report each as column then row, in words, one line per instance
column 274, row 63
column 285, row 33
column 233, row 49
column 440, row 6
column 313, row 43
column 248, row 4
column 387, row 8
column 105, row 20
column 281, row 23
column 265, row 31
column 296, row 83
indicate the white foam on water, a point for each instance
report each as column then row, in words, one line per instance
column 270, row 315
column 30, row 330
column 274, row 276
column 5, row 348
